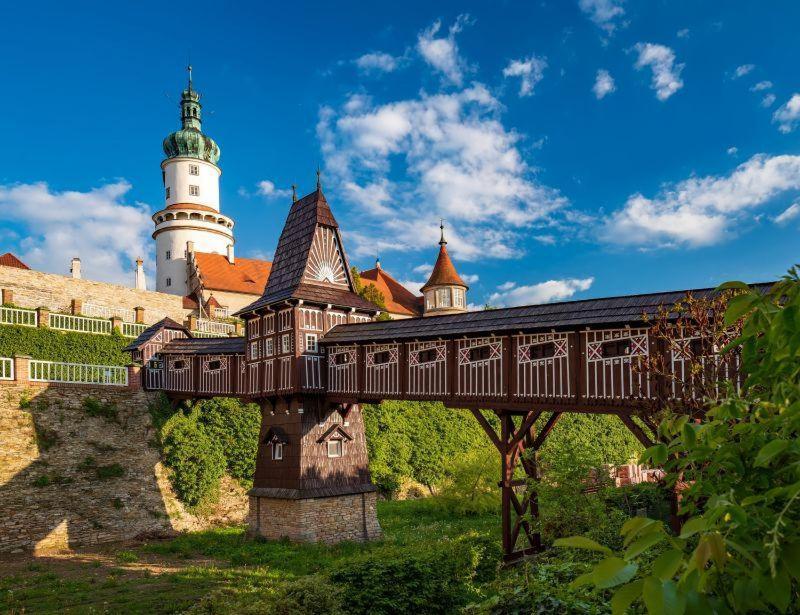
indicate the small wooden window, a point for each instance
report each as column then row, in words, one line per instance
column 335, row 448
column 194, row 190
column 427, row 356
column 269, row 347
column 214, row 366
column 167, row 192
column 168, row 255
column 380, row 358
column 543, row 351
column 254, row 351
column 311, row 342
column 341, row 358
column 617, row 348
column 169, row 281
column 194, row 169
column 480, row 353
column 179, row 365
column 277, row 451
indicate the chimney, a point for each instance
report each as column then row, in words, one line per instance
column 189, row 248
column 230, row 254
column 75, row 268
column 140, row 282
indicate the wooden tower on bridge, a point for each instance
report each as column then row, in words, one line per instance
column 312, row 478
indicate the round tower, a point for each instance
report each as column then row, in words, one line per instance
column 445, row 292
column 191, row 199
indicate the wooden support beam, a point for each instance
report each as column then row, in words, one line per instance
column 487, row 428
column 525, row 427
column 548, row 427
column 636, row 430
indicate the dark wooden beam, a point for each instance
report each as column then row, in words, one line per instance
column 527, row 423
column 487, row 428
column 636, row 430
column 548, row 427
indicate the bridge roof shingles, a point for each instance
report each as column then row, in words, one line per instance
column 205, row 345
column 628, row 309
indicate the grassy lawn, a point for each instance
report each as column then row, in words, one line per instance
column 172, row 576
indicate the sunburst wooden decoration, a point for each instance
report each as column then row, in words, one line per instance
column 325, row 262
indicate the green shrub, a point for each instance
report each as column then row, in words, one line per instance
column 311, row 595
column 113, row 470
column 472, row 487
column 427, row 580
column 94, row 407
column 70, row 347
column 127, row 557
column 195, row 459
column 234, row 427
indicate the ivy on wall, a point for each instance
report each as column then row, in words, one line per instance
column 49, row 345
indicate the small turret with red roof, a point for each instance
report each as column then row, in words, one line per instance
column 445, row 292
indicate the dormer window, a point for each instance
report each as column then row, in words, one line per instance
column 194, row 169
column 335, row 448
column 277, row 451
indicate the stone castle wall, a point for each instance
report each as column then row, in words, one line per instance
column 32, row 289
column 59, row 486
column 329, row 520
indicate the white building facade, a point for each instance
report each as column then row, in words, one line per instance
column 191, row 210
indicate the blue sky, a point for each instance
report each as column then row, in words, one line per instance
column 576, row 149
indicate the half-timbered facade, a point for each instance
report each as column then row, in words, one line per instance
column 312, row 353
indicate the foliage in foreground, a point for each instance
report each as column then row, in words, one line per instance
column 200, row 445
column 739, row 548
column 65, row 346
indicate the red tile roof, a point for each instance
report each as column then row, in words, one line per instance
column 399, row 300
column 246, row 275
column 444, row 272
column 9, row 260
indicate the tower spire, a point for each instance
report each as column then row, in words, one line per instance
column 294, row 193
column 442, row 240
column 319, row 181
column 189, row 70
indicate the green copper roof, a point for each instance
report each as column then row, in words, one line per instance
column 189, row 141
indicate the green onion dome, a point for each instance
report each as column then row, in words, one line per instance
column 189, row 141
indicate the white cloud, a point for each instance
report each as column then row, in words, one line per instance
column 700, row 211
column 761, row 85
column 424, row 269
column 506, row 286
column 666, row 73
column 732, row 151
column 377, row 62
column 790, row 213
column 788, row 114
column 97, row 226
column 684, row 33
column 529, row 70
column 267, row 188
column 470, row 278
column 768, row 100
column 412, row 286
column 544, row 292
column 603, row 12
column 603, row 84
column 442, row 53
column 743, row 70
column 450, row 156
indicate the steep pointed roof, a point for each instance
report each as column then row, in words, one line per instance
column 10, row 260
column 287, row 278
column 444, row 272
column 151, row 331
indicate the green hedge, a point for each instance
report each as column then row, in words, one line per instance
column 49, row 345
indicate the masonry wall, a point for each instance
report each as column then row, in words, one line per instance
column 52, row 495
column 329, row 520
column 34, row 289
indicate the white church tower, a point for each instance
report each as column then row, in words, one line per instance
column 190, row 218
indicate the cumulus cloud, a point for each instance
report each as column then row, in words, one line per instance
column 788, row 114
column 441, row 52
column 509, row 294
column 683, row 33
column 732, row 151
column 666, row 73
column 529, row 70
column 97, row 226
column 470, row 278
column 450, row 156
column 787, row 215
column 603, row 84
column 768, row 100
column 700, row 211
column 377, row 62
column 412, row 286
column 267, row 188
column 743, row 70
column 603, row 12
column 424, row 269
column 761, row 85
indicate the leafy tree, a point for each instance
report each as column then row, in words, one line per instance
column 739, row 548
column 234, row 426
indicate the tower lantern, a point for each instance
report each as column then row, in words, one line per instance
column 191, row 211
column 445, row 292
